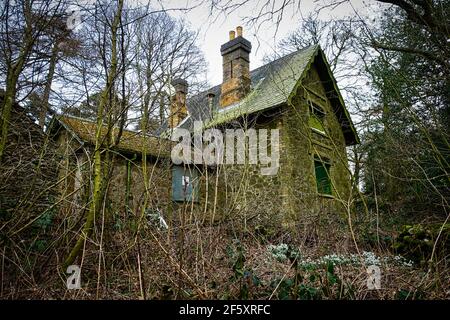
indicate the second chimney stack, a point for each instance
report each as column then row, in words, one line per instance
column 178, row 110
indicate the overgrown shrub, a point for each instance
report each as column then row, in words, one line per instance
column 417, row 241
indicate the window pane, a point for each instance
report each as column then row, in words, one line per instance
column 322, row 177
column 316, row 116
column 316, row 123
column 177, row 174
column 184, row 184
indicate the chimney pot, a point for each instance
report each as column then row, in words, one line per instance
column 180, row 85
column 232, row 35
column 239, row 31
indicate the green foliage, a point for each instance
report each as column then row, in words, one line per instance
column 416, row 241
column 406, row 144
column 45, row 220
column 242, row 275
column 41, row 229
column 313, row 283
column 39, row 245
column 118, row 224
column 373, row 236
column 265, row 232
column 283, row 252
column 312, row 280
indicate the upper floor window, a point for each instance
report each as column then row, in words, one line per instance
column 316, row 117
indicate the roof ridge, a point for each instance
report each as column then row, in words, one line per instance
column 285, row 56
column 260, row 67
column 94, row 123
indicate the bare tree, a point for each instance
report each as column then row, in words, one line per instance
column 21, row 29
column 109, row 48
column 165, row 49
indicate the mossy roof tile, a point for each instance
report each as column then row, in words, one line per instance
column 273, row 84
column 130, row 141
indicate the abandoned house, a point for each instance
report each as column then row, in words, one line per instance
column 296, row 94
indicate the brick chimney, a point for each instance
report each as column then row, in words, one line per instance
column 236, row 68
column 178, row 110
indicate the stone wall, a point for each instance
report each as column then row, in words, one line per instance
column 301, row 145
column 127, row 190
column 240, row 193
column 290, row 198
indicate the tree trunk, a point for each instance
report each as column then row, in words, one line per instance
column 48, row 85
column 8, row 103
column 98, row 190
column 12, row 77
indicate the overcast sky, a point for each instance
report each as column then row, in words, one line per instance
column 215, row 33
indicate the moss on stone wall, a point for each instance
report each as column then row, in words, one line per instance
column 244, row 195
column 289, row 198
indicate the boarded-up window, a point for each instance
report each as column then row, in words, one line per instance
column 184, row 184
column 323, row 180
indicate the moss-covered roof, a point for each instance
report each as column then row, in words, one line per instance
column 271, row 90
column 273, row 85
column 130, row 141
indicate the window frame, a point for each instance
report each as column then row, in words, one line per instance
column 326, row 165
column 179, row 191
column 316, row 114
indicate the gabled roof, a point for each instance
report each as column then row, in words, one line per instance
column 273, row 85
column 130, row 142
